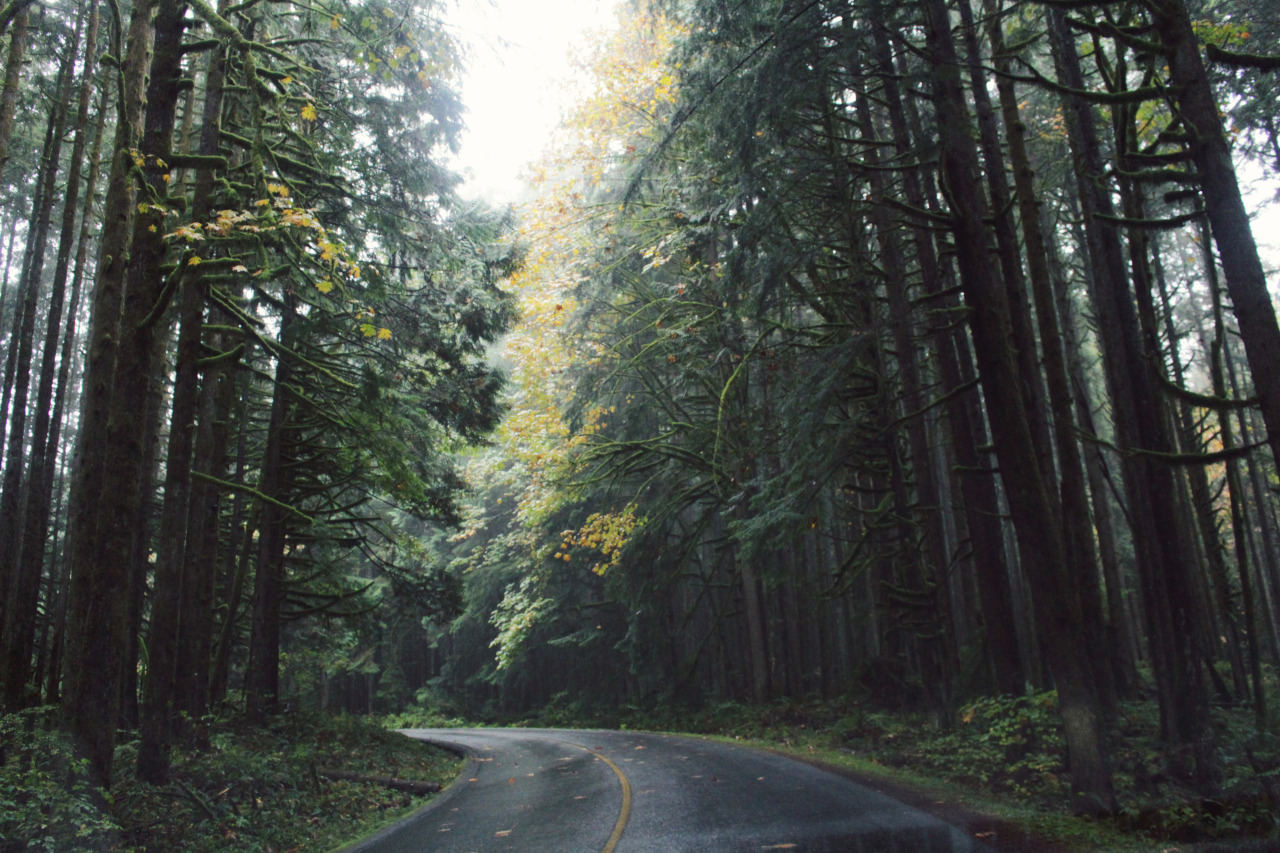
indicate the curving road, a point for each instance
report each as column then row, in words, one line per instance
column 573, row 791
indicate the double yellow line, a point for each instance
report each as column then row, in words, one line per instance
column 625, row 813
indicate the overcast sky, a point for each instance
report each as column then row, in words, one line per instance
column 514, row 90
column 515, row 93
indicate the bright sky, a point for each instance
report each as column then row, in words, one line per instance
column 516, row 87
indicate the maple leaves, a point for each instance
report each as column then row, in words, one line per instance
column 567, row 234
column 606, row 533
column 273, row 213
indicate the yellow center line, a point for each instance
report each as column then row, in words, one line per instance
column 625, row 813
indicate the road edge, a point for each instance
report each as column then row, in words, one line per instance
column 446, row 794
column 984, row 828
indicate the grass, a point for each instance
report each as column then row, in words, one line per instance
column 255, row 789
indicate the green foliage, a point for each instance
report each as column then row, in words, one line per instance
column 1011, row 743
column 46, row 802
column 428, row 711
column 253, row 790
column 515, row 617
column 259, row 790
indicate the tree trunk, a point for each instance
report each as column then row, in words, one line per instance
column 12, row 77
column 1140, row 425
column 1235, row 485
column 23, row 592
column 1228, row 217
column 67, row 390
column 1040, row 531
column 1202, row 502
column 100, row 578
column 262, row 674
column 923, row 569
column 44, row 438
column 1078, row 526
column 977, row 482
column 235, row 563
column 174, row 593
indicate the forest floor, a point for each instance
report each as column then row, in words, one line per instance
column 997, row 771
column 255, row 790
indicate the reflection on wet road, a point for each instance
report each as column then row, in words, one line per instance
column 573, row 791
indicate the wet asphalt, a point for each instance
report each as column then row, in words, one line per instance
column 574, row 791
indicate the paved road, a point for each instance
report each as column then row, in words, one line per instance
column 572, row 791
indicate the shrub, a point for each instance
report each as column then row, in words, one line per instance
column 46, row 802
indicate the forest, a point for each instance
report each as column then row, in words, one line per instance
column 899, row 355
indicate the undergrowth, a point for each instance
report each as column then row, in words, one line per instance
column 254, row 789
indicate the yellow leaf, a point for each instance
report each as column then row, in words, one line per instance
column 286, row 81
column 194, row 261
column 368, row 329
column 309, row 112
column 384, row 334
column 335, row 22
column 324, row 286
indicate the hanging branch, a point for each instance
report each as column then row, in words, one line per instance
column 1238, row 59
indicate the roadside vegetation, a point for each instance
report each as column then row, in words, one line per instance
column 253, row 789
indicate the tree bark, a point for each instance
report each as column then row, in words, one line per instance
column 1057, row 610
column 1140, row 425
column 923, row 569
column 21, row 593
column 216, row 412
column 964, row 416
column 1078, row 526
column 100, row 579
column 171, row 587
column 39, row 488
column 262, row 673
column 1224, row 205
column 12, row 77
column 67, row 391
column 1235, row 486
